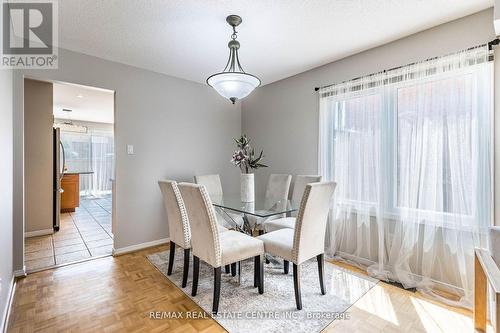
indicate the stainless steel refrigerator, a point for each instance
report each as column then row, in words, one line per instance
column 59, row 161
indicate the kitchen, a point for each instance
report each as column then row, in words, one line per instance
column 69, row 172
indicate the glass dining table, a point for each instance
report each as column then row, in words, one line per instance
column 238, row 214
column 262, row 209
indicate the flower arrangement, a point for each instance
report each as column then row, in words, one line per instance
column 244, row 157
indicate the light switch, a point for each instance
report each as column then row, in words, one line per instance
column 130, row 149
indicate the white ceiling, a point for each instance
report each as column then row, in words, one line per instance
column 188, row 38
column 86, row 103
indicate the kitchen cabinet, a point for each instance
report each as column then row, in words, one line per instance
column 70, row 198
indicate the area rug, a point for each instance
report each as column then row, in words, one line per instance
column 242, row 309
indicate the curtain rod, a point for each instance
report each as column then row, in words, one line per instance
column 492, row 43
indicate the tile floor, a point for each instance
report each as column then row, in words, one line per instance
column 83, row 234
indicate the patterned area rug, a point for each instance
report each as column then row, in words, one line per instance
column 242, row 309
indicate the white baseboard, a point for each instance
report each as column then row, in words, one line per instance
column 10, row 297
column 38, row 233
column 20, row 272
column 137, row 247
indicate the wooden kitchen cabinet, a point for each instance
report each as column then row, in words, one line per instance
column 70, row 198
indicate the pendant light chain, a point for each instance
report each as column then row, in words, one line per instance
column 235, row 34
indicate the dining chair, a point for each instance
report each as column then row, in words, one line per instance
column 228, row 219
column 278, row 186
column 307, row 240
column 217, row 249
column 212, row 184
column 178, row 224
column 298, row 190
column 300, row 183
column 214, row 188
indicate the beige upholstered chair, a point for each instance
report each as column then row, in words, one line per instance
column 178, row 224
column 214, row 248
column 298, row 190
column 228, row 219
column 307, row 240
column 212, row 183
column 277, row 189
column 278, row 186
column 214, row 188
column 487, row 273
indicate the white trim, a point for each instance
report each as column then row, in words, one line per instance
column 35, row 233
column 20, row 272
column 138, row 247
column 353, row 260
column 10, row 297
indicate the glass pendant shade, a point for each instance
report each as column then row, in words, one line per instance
column 233, row 85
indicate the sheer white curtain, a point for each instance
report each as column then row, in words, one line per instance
column 411, row 152
column 102, row 161
column 92, row 151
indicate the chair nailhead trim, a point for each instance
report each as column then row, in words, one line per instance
column 184, row 216
column 298, row 225
column 213, row 224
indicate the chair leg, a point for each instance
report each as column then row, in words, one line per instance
column 286, row 265
column 256, row 271
column 171, row 258
column 296, row 285
column 196, row 274
column 227, row 269
column 217, row 278
column 233, row 269
column 321, row 271
column 186, row 268
column 261, row 274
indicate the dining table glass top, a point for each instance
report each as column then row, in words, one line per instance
column 261, row 207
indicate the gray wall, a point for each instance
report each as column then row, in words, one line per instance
column 38, row 155
column 178, row 129
column 282, row 117
column 6, row 183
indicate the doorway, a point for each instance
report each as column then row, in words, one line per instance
column 83, row 164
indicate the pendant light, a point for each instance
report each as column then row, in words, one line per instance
column 233, row 83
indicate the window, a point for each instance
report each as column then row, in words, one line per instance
column 434, row 138
column 411, row 152
column 93, row 151
column 357, row 124
column 413, row 143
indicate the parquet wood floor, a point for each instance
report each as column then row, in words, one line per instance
column 117, row 294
